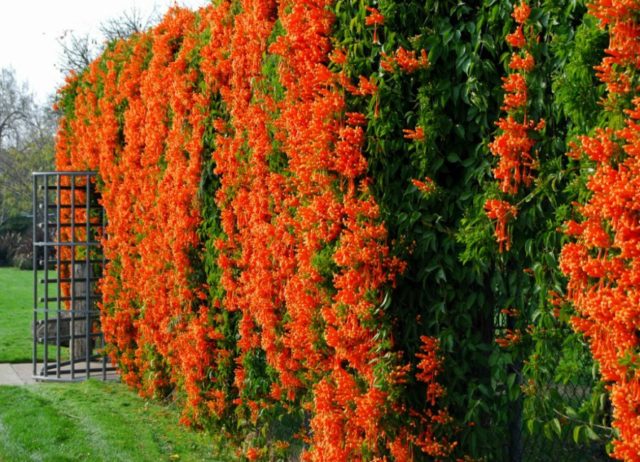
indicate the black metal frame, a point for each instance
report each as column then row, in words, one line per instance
column 72, row 319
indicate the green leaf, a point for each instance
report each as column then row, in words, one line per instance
column 591, row 434
column 576, row 433
column 531, row 426
column 571, row 412
column 557, row 428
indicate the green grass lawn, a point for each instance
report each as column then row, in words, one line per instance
column 96, row 421
column 88, row 421
column 16, row 313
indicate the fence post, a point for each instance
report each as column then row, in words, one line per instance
column 515, row 419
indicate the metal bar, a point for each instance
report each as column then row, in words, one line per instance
column 87, row 286
column 66, row 299
column 66, row 262
column 62, row 206
column 65, row 173
column 42, row 310
column 68, row 363
column 34, row 198
column 72, row 274
column 59, row 270
column 69, row 244
column 69, row 337
column 93, row 369
column 53, row 188
column 68, row 206
column 40, row 378
column 104, row 263
column 46, row 276
column 69, row 225
column 57, row 281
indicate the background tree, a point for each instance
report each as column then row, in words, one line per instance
column 79, row 50
column 15, row 105
column 26, row 144
column 128, row 23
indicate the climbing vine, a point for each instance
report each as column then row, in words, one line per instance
column 334, row 228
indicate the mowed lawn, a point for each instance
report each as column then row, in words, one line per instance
column 87, row 421
column 16, row 315
column 95, row 421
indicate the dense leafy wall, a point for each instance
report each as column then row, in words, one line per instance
column 334, row 227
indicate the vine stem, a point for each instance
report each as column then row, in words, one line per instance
column 582, row 422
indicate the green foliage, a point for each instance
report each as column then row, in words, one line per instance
column 15, row 250
column 16, row 165
column 557, row 361
column 208, row 272
column 456, row 101
column 456, row 282
column 576, row 89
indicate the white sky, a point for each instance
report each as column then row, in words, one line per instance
column 29, row 30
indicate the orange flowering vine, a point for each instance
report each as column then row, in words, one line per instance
column 416, row 134
column 426, row 186
column 602, row 261
column 346, row 416
column 502, row 212
column 153, row 314
column 405, row 60
column 375, row 19
column 429, row 367
column 510, row 338
column 299, row 261
column 513, row 146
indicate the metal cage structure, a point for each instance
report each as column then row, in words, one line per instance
column 68, row 225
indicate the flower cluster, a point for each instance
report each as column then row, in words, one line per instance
column 405, row 60
column 375, row 19
column 426, row 187
column 430, row 366
column 514, row 144
column 502, row 212
column 602, row 263
column 414, row 135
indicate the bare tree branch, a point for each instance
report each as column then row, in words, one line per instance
column 78, row 51
column 127, row 24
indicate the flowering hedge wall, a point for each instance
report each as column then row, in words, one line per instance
column 334, row 227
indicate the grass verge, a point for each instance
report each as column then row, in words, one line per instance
column 16, row 313
column 96, row 421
